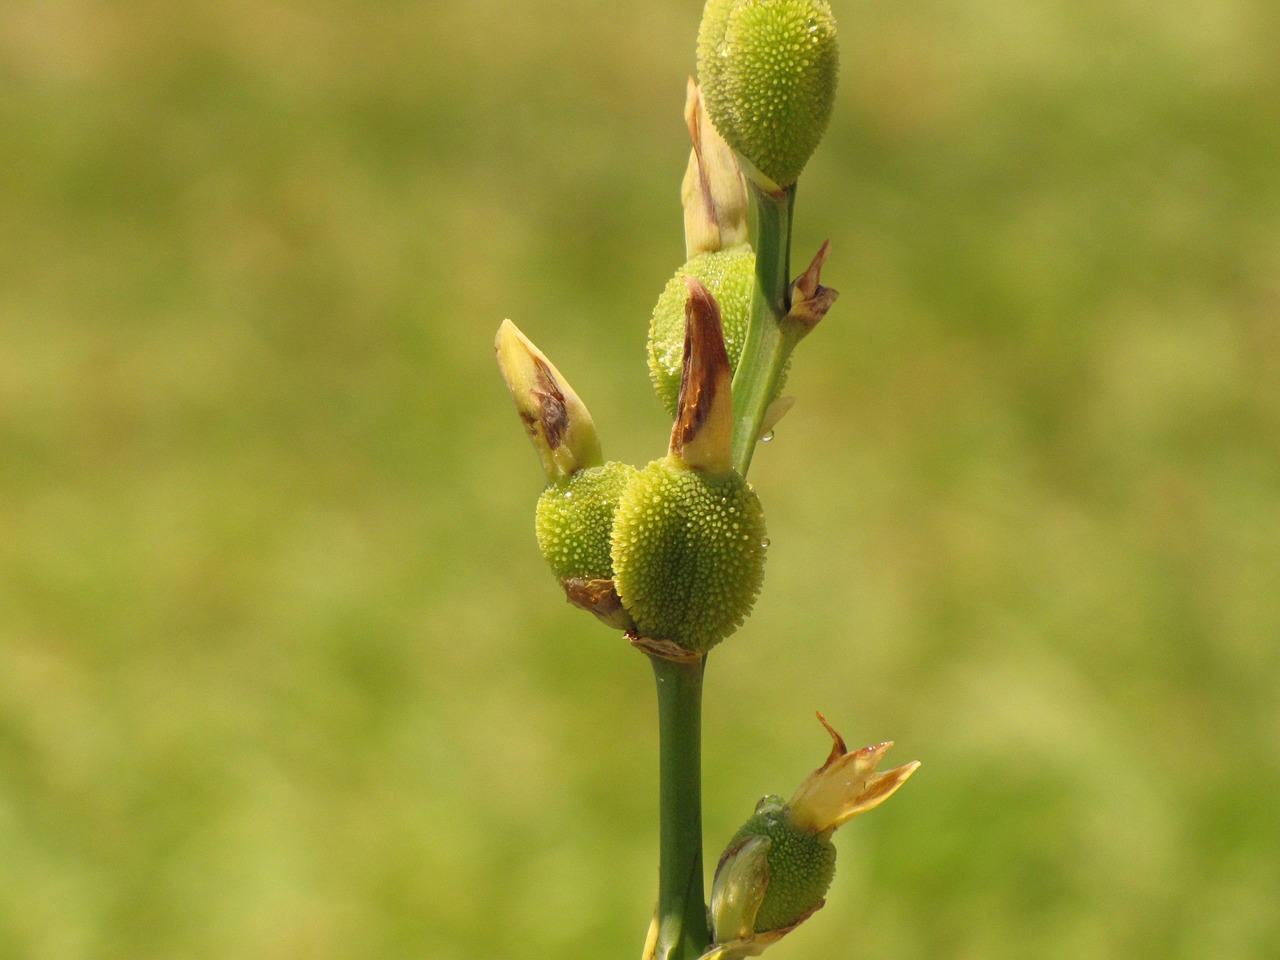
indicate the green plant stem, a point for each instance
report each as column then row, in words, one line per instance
column 768, row 344
column 682, row 910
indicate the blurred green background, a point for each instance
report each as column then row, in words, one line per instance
column 281, row 672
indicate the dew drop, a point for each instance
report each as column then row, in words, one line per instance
column 767, row 437
column 764, row 544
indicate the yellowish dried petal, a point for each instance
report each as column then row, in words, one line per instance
column 810, row 300
column 714, row 193
column 702, row 435
column 846, row 785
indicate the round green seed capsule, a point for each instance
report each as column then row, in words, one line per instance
column 574, row 520
column 688, row 553
column 767, row 69
column 801, row 865
column 729, row 275
column 711, row 31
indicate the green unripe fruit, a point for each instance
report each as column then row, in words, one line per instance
column 574, row 520
column 767, row 69
column 711, row 32
column 729, row 276
column 688, row 553
column 801, row 865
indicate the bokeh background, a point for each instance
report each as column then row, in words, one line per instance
column 281, row 672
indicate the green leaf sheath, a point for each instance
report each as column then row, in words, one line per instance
column 768, row 347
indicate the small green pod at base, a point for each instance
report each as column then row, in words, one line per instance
column 688, row 553
column 729, row 275
column 801, row 863
column 777, row 869
column 574, row 521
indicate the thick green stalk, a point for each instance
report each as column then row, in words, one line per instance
column 767, row 345
column 682, row 910
column 682, row 918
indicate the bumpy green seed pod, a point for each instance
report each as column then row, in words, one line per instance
column 688, row 553
column 574, row 520
column 729, row 275
column 711, row 33
column 801, row 865
column 767, row 69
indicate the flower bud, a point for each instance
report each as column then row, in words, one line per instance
column 557, row 421
column 729, row 276
column 574, row 521
column 767, row 69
